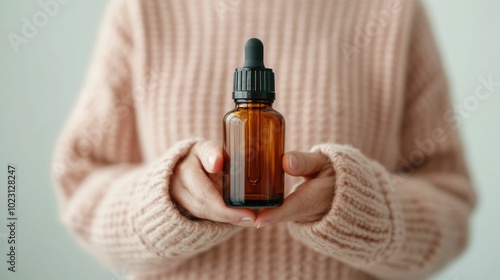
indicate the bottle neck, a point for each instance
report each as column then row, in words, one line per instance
column 245, row 103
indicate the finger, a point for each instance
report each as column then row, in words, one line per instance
column 217, row 181
column 304, row 164
column 210, row 155
column 311, row 200
column 205, row 202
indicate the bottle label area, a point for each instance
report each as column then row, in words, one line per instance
column 253, row 146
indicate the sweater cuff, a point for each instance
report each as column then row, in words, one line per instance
column 364, row 223
column 156, row 219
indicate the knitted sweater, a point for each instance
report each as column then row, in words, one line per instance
column 359, row 81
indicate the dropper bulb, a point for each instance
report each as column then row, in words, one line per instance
column 254, row 53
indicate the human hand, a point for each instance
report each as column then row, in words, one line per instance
column 196, row 186
column 312, row 199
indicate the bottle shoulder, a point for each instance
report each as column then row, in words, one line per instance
column 278, row 114
column 242, row 114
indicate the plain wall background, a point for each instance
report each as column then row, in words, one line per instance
column 39, row 84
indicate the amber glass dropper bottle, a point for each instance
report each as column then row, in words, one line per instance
column 254, row 137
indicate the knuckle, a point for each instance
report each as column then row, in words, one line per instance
column 310, row 165
column 185, row 164
column 197, row 149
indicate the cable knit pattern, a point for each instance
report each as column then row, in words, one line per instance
column 358, row 81
column 362, row 223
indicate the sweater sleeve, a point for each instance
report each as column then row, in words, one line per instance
column 409, row 222
column 117, row 205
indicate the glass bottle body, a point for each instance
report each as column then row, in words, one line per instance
column 254, row 139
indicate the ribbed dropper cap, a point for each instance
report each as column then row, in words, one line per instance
column 254, row 81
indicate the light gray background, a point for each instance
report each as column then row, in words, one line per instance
column 39, row 84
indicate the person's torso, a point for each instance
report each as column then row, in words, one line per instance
column 339, row 79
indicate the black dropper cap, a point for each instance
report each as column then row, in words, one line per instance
column 254, row 81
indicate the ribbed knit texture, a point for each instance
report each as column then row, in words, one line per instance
column 359, row 81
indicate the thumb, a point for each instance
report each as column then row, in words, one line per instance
column 210, row 155
column 304, row 164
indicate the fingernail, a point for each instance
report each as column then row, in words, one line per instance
column 293, row 161
column 263, row 224
column 246, row 219
column 211, row 160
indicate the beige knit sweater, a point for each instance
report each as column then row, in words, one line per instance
column 360, row 81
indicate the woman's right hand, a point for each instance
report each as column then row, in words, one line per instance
column 196, row 186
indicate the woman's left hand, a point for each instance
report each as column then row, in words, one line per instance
column 312, row 199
